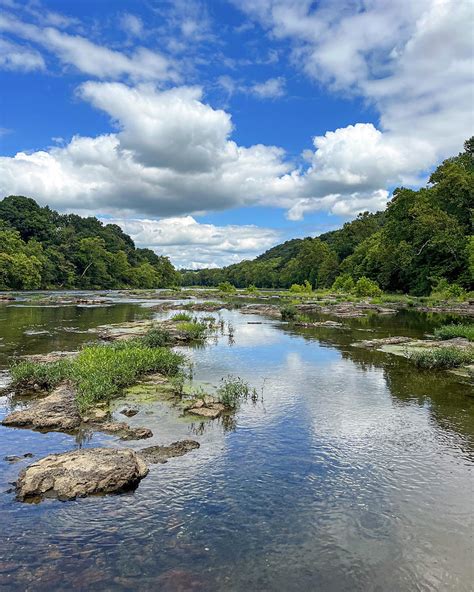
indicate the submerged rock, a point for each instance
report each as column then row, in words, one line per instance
column 161, row 454
column 58, row 411
column 81, row 473
column 124, row 431
column 129, row 411
column 375, row 343
column 18, row 458
column 206, row 406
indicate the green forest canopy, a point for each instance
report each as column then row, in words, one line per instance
column 40, row 248
column 421, row 238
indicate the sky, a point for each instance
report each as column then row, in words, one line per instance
column 211, row 130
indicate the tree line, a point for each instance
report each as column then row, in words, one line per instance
column 40, row 248
column 424, row 239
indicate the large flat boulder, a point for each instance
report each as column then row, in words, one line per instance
column 58, row 411
column 81, row 473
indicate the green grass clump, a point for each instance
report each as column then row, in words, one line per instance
column 443, row 357
column 46, row 376
column 156, row 337
column 100, row 372
column 234, row 390
column 451, row 331
column 193, row 330
column 182, row 316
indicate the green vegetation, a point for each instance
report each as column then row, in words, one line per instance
column 366, row 287
column 421, row 244
column 226, row 287
column 451, row 331
column 288, row 312
column 443, row 357
column 156, row 337
column 234, row 390
column 100, row 372
column 182, row 316
column 304, row 288
column 193, row 330
column 40, row 248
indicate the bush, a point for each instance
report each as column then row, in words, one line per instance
column 233, row 390
column 366, row 287
column 305, row 288
column 451, row 331
column 344, row 283
column 288, row 312
column 443, row 357
column 443, row 290
column 252, row 290
column 226, row 287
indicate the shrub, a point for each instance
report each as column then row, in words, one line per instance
column 252, row 290
column 443, row 290
column 233, row 390
column 366, row 287
column 305, row 288
column 226, row 287
column 451, row 331
column 443, row 357
column 343, row 283
column 288, row 312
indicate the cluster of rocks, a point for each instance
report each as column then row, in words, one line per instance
column 327, row 324
column 346, row 309
column 205, row 406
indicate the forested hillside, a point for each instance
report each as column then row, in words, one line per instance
column 40, row 248
column 422, row 238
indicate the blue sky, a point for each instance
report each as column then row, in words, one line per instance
column 212, row 130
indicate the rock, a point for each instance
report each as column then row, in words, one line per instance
column 125, row 431
column 161, row 454
column 211, row 412
column 374, row 343
column 129, row 411
column 14, row 458
column 58, row 411
column 51, row 357
column 81, row 473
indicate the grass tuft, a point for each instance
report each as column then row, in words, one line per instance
column 234, row 390
column 443, row 357
column 451, row 331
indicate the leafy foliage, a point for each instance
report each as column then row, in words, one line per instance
column 451, row 331
column 423, row 237
column 233, row 390
column 40, row 248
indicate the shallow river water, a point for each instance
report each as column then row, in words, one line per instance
column 354, row 471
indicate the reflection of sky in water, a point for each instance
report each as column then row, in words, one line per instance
column 331, row 483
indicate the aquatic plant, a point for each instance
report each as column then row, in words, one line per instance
column 451, row 331
column 226, row 287
column 100, row 372
column 442, row 357
column 182, row 316
column 156, row 337
column 193, row 330
column 46, row 376
column 233, row 390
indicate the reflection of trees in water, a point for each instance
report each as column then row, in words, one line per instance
column 450, row 399
column 15, row 320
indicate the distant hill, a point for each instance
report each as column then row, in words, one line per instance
column 422, row 237
column 40, row 248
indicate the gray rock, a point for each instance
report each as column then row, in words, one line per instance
column 58, row 411
column 81, row 473
column 124, row 431
column 161, row 454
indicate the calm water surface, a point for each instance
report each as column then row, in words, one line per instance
column 354, row 473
